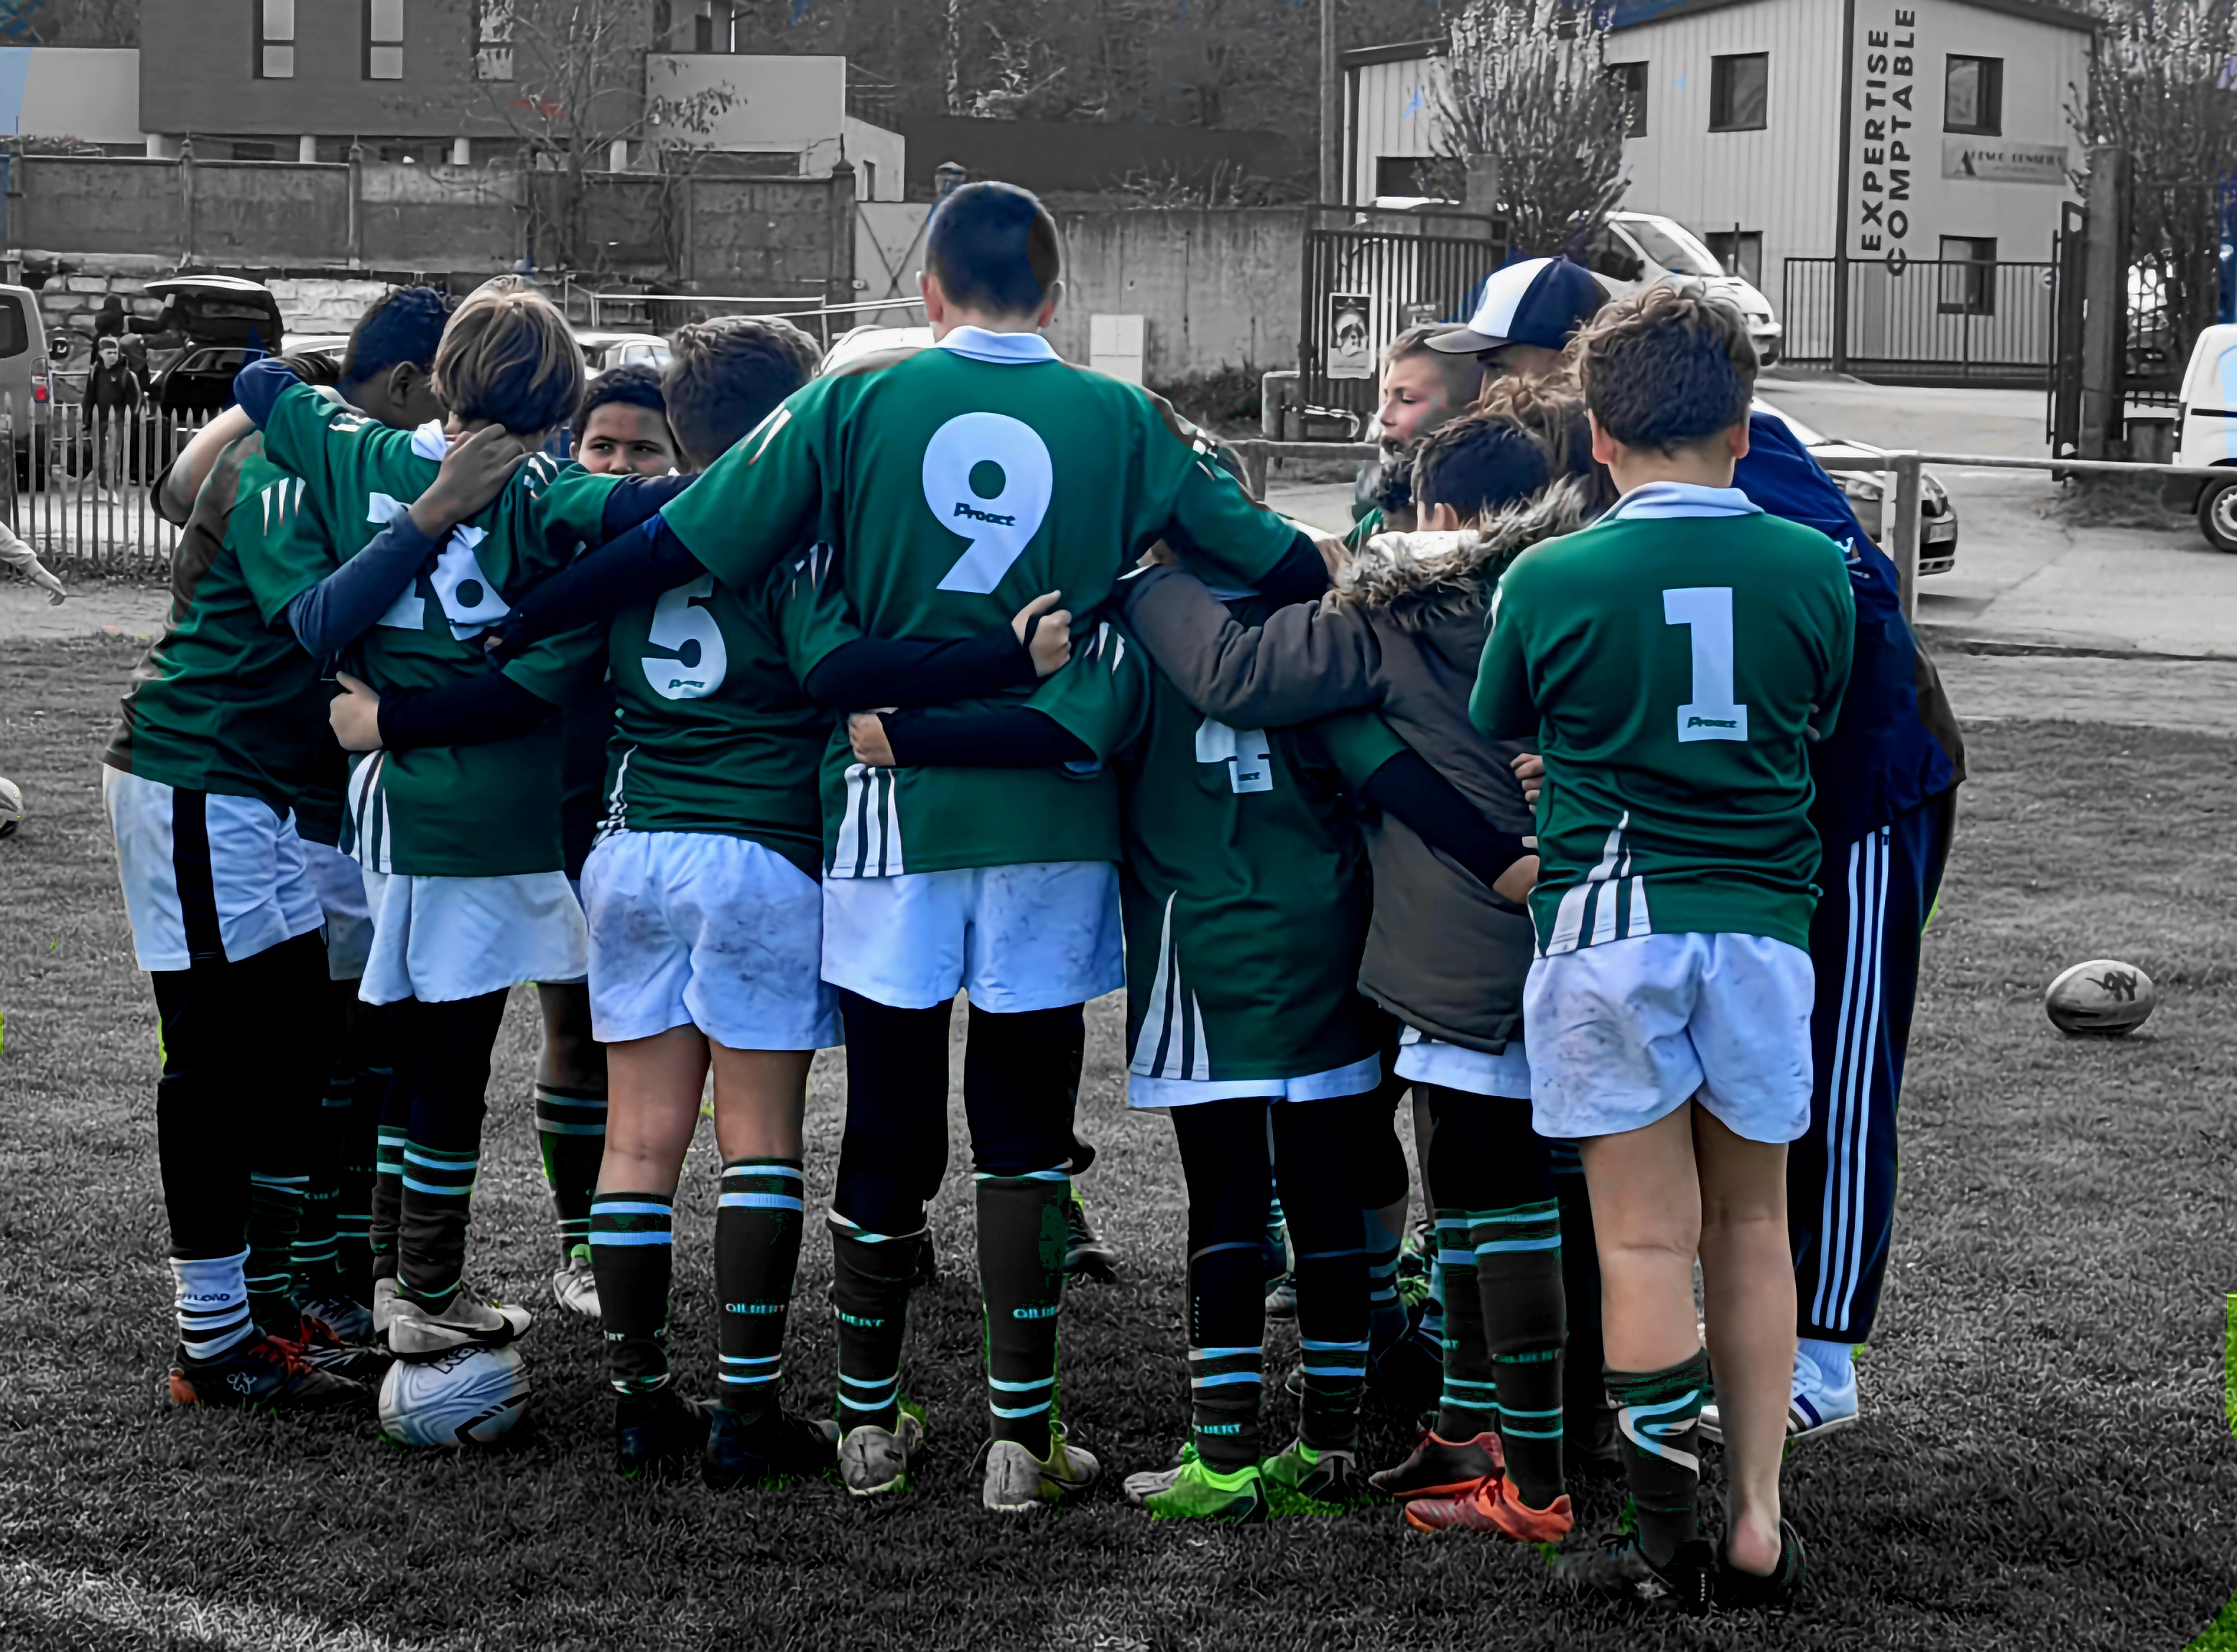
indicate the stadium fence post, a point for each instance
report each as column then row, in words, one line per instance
column 1906, row 531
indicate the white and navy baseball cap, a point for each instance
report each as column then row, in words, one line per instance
column 1539, row 301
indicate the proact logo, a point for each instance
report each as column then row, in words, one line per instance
column 977, row 515
column 1713, row 722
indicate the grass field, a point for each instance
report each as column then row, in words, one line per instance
column 2044, row 1459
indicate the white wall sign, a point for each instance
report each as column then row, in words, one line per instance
column 2000, row 160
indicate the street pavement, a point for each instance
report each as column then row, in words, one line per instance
column 2026, row 576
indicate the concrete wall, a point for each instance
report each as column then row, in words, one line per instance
column 269, row 211
column 1218, row 289
column 775, row 237
column 1075, row 156
column 443, row 217
column 97, row 206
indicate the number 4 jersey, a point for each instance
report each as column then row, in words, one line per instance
column 1671, row 669
column 954, row 485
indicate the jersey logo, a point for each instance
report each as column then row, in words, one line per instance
column 1604, row 888
column 988, row 478
column 1248, row 757
column 1711, row 713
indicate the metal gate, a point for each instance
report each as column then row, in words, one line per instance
column 2067, row 251
column 1369, row 276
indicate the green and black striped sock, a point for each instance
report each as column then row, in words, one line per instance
column 756, row 1259
column 433, row 1208
column 571, row 1130
column 632, row 1250
column 1518, row 1261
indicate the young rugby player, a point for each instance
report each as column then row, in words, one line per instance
column 461, row 846
column 620, row 428
column 221, row 739
column 1670, row 662
column 952, row 485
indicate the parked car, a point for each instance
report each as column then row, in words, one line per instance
column 2206, row 433
column 602, row 350
column 1866, row 490
column 216, row 310
column 1636, row 249
column 857, row 342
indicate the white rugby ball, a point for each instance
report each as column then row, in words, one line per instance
column 2103, row 995
column 466, row 1396
column 12, row 807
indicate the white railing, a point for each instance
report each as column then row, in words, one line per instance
column 76, row 488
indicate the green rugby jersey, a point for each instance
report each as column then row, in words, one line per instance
column 226, row 700
column 482, row 811
column 711, row 731
column 954, row 484
column 1243, row 884
column 1672, row 670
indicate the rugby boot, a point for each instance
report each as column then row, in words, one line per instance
column 1746, row 1589
column 314, row 1337
column 1018, row 1481
column 1193, row 1490
column 652, row 1430
column 416, row 1330
column 575, row 1287
column 873, row 1460
column 1441, row 1468
column 1491, row 1506
column 1321, row 1476
column 1619, row 1569
column 263, row 1372
column 740, row 1452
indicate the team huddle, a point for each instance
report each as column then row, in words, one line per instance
column 1594, row 792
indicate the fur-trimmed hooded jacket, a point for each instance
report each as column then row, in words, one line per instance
column 1401, row 635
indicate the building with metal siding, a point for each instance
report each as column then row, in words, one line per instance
column 1819, row 173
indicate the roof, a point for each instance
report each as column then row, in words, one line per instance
column 1633, row 14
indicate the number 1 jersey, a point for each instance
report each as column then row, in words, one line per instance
column 1672, row 670
column 953, row 485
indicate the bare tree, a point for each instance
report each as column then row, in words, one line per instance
column 1524, row 92
column 70, row 22
column 2163, row 86
column 567, row 78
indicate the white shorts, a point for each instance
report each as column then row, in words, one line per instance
column 1144, row 1091
column 701, row 929
column 440, row 940
column 1016, row 938
column 584, row 979
column 1622, row 1034
column 206, row 875
column 340, row 884
column 1432, row 1061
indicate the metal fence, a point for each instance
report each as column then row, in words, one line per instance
column 77, row 490
column 1370, row 275
column 1930, row 321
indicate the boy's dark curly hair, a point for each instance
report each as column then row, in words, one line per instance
column 634, row 383
column 1667, row 367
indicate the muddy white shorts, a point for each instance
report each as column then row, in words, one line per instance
column 1035, row 936
column 1620, row 1034
column 207, row 876
column 440, row 940
column 340, row 882
column 701, row 929
column 1431, row 1061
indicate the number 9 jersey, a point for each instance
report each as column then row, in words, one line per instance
column 1673, row 669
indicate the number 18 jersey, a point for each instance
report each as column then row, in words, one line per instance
column 952, row 485
column 1672, row 670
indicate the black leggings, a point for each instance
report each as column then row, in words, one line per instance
column 1483, row 1155
column 443, row 1068
column 244, row 1068
column 1021, row 1084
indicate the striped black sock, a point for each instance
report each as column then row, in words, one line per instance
column 756, row 1259
column 1021, row 1284
column 276, row 1217
column 435, row 1204
column 570, row 1129
column 1386, row 1315
column 632, row 1249
column 1469, row 1403
column 1659, row 1425
column 1518, row 1259
column 870, row 1275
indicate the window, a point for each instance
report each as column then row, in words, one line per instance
column 254, row 149
column 15, row 336
column 1631, row 80
column 1967, row 276
column 384, row 40
column 1608, row 253
column 1739, row 92
column 276, row 40
column 1403, row 175
column 1740, row 253
column 869, row 181
column 1973, row 96
column 493, row 40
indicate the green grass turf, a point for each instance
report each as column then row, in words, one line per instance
column 2044, row 1458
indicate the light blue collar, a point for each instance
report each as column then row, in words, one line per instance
column 1660, row 501
column 1007, row 348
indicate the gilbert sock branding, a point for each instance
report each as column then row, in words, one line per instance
column 1022, row 1241
column 633, row 1253
column 870, row 1276
column 571, row 1130
column 1224, row 1386
column 756, row 1257
column 211, row 1298
column 1470, row 1403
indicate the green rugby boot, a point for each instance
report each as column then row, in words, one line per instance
column 1192, row 1491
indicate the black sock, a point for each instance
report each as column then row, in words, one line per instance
column 1518, row 1259
column 1469, row 1403
column 317, row 1252
column 570, row 1129
column 1021, row 1247
column 1660, row 1419
column 358, row 1155
column 1318, row 1146
column 870, row 1275
column 633, row 1251
column 756, row 1257
column 275, row 1216
column 445, row 1050
column 1224, row 1159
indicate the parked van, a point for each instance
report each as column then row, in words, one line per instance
column 26, row 377
column 1636, row 249
column 2206, row 433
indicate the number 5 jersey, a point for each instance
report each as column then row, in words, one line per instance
column 1672, row 664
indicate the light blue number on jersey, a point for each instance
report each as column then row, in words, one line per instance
column 998, row 526
column 1711, row 713
column 676, row 623
column 467, row 596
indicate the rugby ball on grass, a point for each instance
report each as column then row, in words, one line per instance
column 466, row 1396
column 2103, row 995
column 12, row 807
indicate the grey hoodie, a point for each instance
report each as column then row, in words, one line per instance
column 1400, row 634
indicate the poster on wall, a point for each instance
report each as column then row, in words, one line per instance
column 1351, row 348
column 1999, row 160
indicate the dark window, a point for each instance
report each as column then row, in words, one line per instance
column 1402, row 174
column 493, row 40
column 254, row 149
column 384, row 40
column 1631, row 82
column 1740, row 251
column 15, row 336
column 276, row 40
column 1967, row 276
column 1608, row 253
column 1973, row 96
column 702, row 33
column 1739, row 92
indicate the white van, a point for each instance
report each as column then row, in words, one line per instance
column 1636, row 249
column 2206, row 433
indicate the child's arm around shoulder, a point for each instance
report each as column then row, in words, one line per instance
column 1309, row 659
column 1502, row 706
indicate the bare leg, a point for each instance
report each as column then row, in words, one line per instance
column 572, row 1057
column 1749, row 1273
column 1647, row 1213
column 652, row 1108
column 760, row 1095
